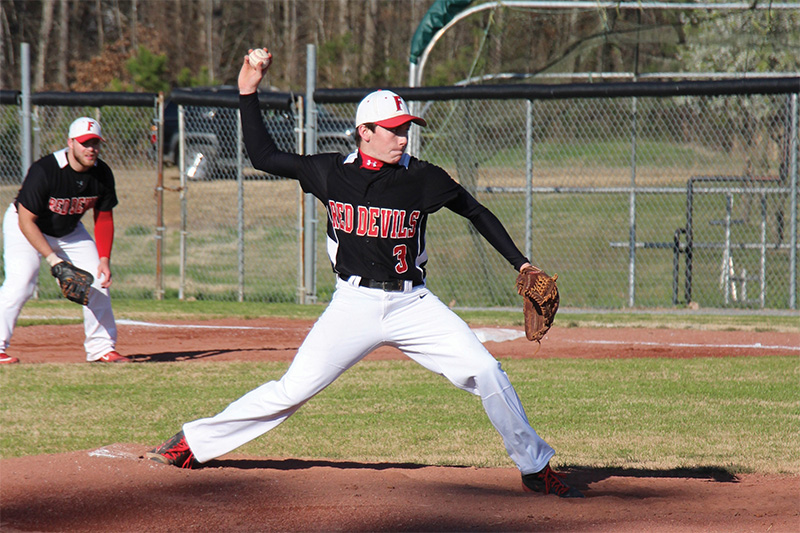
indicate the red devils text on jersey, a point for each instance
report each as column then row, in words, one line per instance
column 59, row 196
column 377, row 212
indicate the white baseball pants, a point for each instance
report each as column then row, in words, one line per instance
column 357, row 321
column 21, row 261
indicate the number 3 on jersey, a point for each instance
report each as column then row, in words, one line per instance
column 399, row 252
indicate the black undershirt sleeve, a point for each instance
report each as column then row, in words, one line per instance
column 488, row 225
column 262, row 150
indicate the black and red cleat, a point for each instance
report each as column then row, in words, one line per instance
column 175, row 452
column 549, row 482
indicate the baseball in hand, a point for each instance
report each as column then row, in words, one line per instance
column 258, row 57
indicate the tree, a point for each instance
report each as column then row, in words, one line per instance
column 365, row 43
column 63, row 44
column 148, row 70
column 751, row 41
column 44, row 39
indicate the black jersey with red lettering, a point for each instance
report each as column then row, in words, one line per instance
column 59, row 196
column 377, row 212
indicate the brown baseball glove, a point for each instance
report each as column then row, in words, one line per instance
column 540, row 294
column 74, row 281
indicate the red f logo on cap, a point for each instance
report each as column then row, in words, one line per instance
column 399, row 102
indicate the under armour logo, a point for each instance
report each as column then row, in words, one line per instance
column 79, row 183
column 370, row 163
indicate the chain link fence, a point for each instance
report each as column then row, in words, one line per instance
column 635, row 201
column 241, row 236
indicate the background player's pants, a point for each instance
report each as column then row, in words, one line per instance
column 357, row 321
column 21, row 261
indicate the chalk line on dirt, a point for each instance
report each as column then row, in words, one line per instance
column 505, row 334
column 126, row 322
column 498, row 335
column 483, row 334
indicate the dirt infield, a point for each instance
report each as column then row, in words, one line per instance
column 114, row 489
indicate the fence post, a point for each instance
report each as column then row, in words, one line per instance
column 793, row 172
column 309, row 204
column 184, row 216
column 528, row 178
column 160, row 229
column 632, row 213
column 240, row 202
column 762, row 273
column 25, row 141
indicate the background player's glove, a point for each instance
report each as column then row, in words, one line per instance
column 74, row 281
column 540, row 295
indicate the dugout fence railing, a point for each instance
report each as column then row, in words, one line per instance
column 606, row 184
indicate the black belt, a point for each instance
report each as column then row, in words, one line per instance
column 395, row 285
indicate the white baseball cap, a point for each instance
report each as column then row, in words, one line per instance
column 85, row 128
column 386, row 109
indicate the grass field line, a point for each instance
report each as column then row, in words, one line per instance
column 686, row 344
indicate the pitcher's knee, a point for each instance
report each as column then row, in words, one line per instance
column 489, row 368
column 291, row 393
column 491, row 377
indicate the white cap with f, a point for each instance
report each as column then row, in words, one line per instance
column 85, row 128
column 385, row 109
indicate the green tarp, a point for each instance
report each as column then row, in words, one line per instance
column 437, row 17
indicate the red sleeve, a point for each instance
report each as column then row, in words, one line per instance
column 103, row 232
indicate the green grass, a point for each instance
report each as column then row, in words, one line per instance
column 738, row 414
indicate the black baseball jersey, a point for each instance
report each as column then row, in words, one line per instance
column 376, row 217
column 59, row 196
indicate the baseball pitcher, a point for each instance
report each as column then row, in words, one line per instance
column 378, row 200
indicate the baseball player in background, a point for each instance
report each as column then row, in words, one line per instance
column 45, row 221
column 378, row 200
